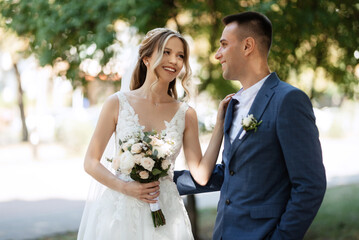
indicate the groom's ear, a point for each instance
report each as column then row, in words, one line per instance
column 249, row 44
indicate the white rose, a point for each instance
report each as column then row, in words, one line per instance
column 156, row 142
column 116, row 162
column 163, row 150
column 126, row 162
column 144, row 174
column 147, row 163
column 137, row 158
column 165, row 164
column 247, row 121
column 136, row 148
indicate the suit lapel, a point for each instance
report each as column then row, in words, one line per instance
column 260, row 103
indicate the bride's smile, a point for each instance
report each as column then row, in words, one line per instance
column 172, row 60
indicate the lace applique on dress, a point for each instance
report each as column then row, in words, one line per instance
column 128, row 127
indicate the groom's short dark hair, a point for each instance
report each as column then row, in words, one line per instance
column 257, row 25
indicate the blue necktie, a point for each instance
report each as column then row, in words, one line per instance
column 235, row 102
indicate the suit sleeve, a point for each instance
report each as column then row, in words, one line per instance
column 187, row 185
column 299, row 140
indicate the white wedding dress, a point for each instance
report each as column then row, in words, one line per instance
column 115, row 216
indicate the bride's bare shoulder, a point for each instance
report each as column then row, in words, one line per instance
column 191, row 115
column 111, row 105
column 112, row 100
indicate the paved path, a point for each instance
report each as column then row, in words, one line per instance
column 44, row 196
column 31, row 219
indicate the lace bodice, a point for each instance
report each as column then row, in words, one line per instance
column 128, row 127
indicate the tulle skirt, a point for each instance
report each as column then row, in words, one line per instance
column 117, row 216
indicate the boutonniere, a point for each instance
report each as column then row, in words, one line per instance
column 250, row 123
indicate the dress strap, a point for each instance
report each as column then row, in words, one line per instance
column 184, row 109
column 121, row 106
column 121, row 97
column 123, row 103
column 179, row 118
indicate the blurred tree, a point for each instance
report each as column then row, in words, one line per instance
column 64, row 32
column 321, row 35
column 15, row 47
column 318, row 35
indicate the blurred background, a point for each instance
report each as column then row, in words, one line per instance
column 59, row 61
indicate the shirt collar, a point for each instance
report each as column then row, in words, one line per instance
column 253, row 90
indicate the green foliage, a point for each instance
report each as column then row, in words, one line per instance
column 319, row 34
column 306, row 34
column 315, row 34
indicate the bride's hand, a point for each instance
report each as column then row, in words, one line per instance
column 223, row 107
column 143, row 191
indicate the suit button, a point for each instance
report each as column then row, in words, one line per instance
column 231, row 173
column 228, row 202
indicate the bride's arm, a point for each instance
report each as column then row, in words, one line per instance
column 201, row 167
column 105, row 127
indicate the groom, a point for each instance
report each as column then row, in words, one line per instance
column 272, row 179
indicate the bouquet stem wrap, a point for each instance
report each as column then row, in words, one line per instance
column 157, row 215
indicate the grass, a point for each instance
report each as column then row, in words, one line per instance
column 64, row 236
column 206, row 219
column 337, row 219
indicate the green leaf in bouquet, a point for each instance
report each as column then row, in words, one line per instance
column 147, row 139
column 166, row 170
column 119, row 141
column 163, row 173
column 135, row 176
column 156, row 171
column 155, row 153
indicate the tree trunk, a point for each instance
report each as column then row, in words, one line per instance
column 25, row 134
column 192, row 213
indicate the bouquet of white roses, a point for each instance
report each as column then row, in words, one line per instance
column 144, row 159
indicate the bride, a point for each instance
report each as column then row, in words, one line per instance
column 122, row 210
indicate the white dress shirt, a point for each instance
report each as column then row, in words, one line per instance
column 240, row 110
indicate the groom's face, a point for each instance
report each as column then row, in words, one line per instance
column 230, row 53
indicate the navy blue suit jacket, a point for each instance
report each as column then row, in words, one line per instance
column 272, row 181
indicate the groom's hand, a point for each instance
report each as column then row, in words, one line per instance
column 145, row 192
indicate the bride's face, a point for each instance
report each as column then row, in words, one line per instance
column 172, row 60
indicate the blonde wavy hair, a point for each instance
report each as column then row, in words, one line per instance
column 159, row 37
